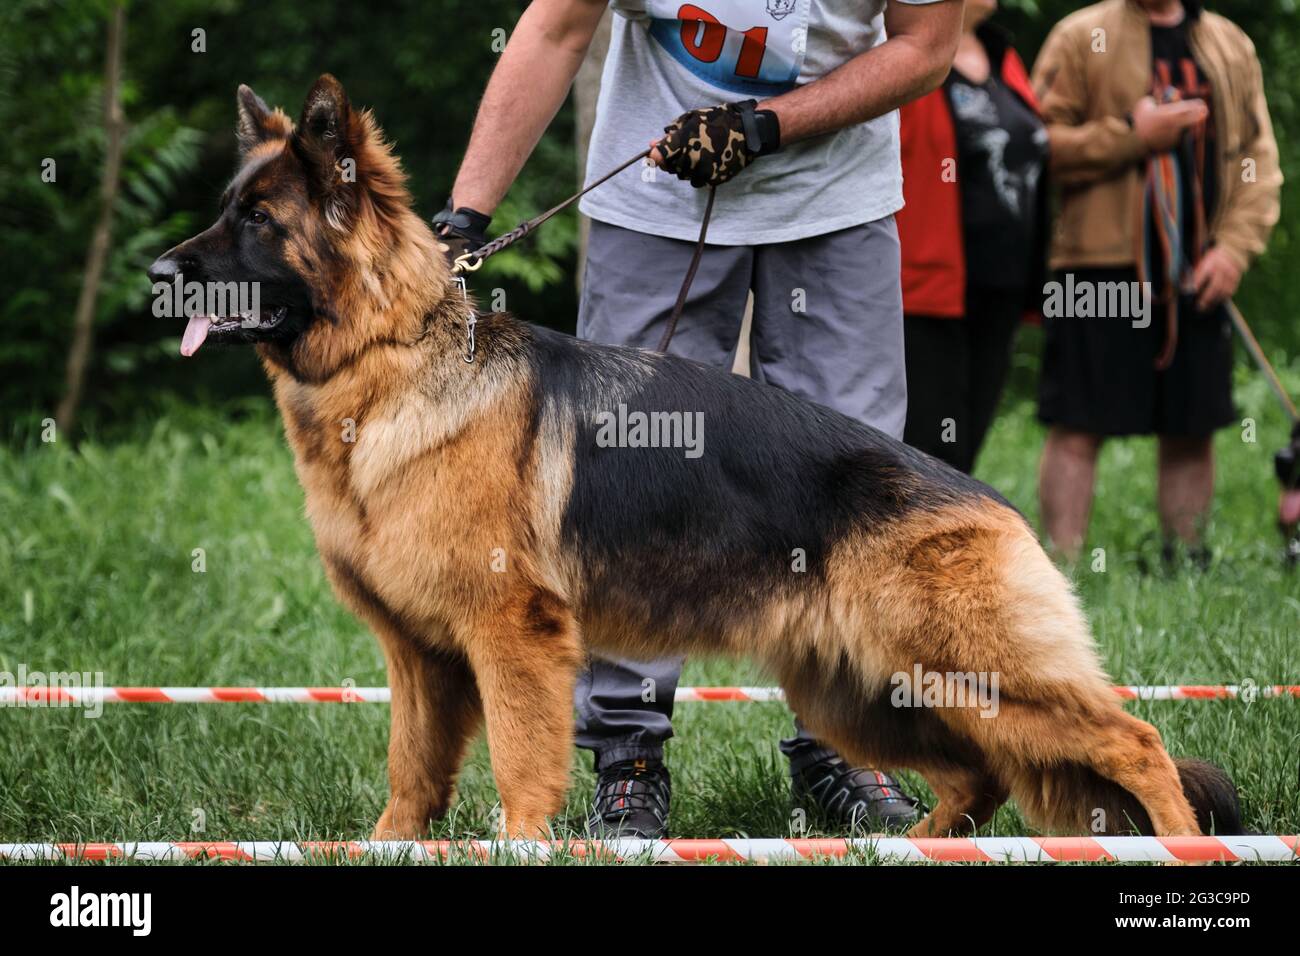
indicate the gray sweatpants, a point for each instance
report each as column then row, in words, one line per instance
column 827, row 326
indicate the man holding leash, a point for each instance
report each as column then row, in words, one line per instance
column 792, row 104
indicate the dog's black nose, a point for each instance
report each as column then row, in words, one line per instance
column 164, row 269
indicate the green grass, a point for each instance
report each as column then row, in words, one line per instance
column 95, row 575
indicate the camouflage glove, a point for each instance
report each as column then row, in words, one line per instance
column 709, row 146
column 460, row 230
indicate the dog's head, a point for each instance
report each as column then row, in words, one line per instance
column 307, row 234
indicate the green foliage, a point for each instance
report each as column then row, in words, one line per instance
column 421, row 66
column 44, row 226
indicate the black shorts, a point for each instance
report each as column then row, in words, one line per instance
column 1099, row 374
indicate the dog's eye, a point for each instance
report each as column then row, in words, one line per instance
column 258, row 218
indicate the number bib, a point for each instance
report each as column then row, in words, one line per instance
column 751, row 47
column 670, row 56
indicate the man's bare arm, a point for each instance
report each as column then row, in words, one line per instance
column 914, row 60
column 526, row 90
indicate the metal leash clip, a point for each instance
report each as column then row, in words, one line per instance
column 470, row 322
column 468, row 262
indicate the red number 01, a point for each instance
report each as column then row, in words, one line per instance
column 703, row 36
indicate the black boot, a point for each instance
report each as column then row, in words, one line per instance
column 854, row 798
column 632, row 799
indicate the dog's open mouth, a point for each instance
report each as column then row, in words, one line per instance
column 201, row 327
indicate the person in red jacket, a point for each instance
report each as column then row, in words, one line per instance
column 972, row 232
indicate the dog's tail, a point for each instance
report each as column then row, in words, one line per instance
column 1073, row 798
column 1213, row 796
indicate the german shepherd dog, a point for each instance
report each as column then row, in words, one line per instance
column 480, row 527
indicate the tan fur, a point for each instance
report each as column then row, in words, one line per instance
column 447, row 478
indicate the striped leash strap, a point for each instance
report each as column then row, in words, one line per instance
column 1174, row 223
column 472, row 261
column 1262, row 362
column 1162, row 214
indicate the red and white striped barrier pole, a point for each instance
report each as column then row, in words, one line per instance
column 380, row 695
column 1245, row 849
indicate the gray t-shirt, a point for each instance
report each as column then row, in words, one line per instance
column 667, row 57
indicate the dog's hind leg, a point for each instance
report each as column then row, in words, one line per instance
column 869, row 730
column 1129, row 752
column 1058, row 706
column 1042, row 725
column 1041, row 728
column 435, row 709
column 968, row 797
column 977, row 596
column 525, row 657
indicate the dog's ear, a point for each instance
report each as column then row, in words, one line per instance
column 327, row 141
column 257, row 122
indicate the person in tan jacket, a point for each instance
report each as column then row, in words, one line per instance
column 1164, row 156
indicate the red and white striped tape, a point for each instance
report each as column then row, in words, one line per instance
column 381, row 695
column 1249, row 849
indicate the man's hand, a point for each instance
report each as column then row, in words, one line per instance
column 1216, row 279
column 1161, row 126
column 460, row 230
column 709, row 146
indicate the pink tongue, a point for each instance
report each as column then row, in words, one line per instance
column 195, row 333
column 1289, row 508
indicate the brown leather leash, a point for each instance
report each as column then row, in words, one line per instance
column 472, row 261
column 1262, row 362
